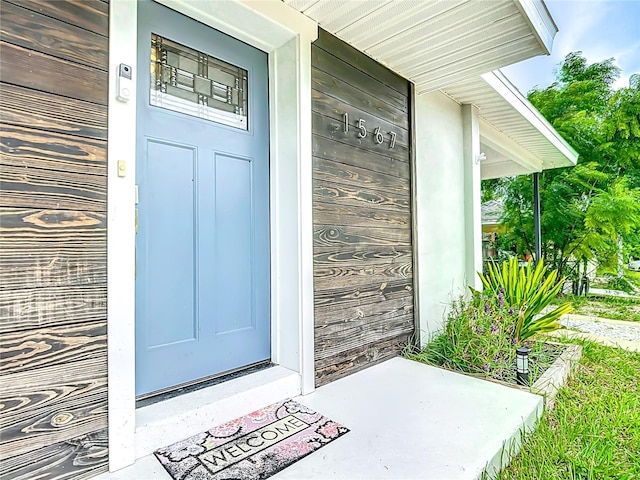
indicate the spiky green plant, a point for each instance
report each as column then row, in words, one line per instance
column 527, row 290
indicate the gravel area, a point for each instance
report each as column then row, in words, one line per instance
column 614, row 331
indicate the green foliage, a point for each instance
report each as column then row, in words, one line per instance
column 622, row 128
column 632, row 244
column 621, row 284
column 528, row 291
column 615, row 210
column 589, row 211
column 478, row 339
column 612, row 215
column 633, row 277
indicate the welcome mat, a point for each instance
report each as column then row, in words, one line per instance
column 255, row 446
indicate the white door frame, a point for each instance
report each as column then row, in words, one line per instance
column 286, row 35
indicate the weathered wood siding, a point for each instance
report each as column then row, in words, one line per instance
column 361, row 211
column 53, row 199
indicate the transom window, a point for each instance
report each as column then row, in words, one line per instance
column 191, row 82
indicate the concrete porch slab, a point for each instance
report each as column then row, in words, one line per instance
column 407, row 421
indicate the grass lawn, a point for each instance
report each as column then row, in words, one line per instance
column 594, row 431
column 633, row 277
column 605, row 307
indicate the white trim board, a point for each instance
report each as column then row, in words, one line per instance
column 542, row 24
column 518, row 102
column 286, row 36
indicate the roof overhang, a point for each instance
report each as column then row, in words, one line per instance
column 449, row 45
column 438, row 42
column 514, row 136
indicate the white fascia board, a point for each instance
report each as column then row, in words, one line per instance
column 542, row 24
column 507, row 147
column 510, row 94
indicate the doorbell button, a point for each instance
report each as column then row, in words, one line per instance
column 124, row 82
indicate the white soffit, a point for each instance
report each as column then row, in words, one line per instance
column 434, row 43
column 511, row 126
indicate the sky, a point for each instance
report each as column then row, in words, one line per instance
column 599, row 28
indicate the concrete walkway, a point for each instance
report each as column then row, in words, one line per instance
column 605, row 331
column 408, row 421
column 603, row 292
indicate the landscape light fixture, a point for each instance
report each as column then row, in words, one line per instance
column 522, row 365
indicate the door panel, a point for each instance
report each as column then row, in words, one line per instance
column 202, row 249
column 169, row 216
column 235, row 242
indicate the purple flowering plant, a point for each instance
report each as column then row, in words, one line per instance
column 481, row 330
column 475, row 340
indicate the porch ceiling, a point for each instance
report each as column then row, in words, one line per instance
column 438, row 42
column 515, row 137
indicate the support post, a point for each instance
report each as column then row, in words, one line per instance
column 472, row 194
column 536, row 216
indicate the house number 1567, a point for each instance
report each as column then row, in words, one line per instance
column 378, row 136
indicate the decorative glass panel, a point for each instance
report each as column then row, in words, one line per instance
column 191, row 82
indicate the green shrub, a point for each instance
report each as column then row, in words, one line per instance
column 478, row 338
column 527, row 291
column 621, row 284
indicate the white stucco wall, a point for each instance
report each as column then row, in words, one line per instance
column 440, row 213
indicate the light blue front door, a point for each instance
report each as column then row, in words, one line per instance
column 202, row 170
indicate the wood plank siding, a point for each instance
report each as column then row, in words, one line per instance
column 53, row 206
column 363, row 257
